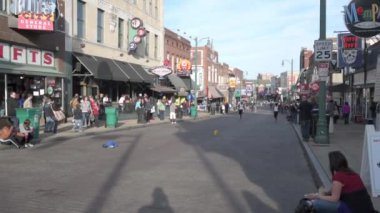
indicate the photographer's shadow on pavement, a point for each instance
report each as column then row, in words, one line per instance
column 160, row 203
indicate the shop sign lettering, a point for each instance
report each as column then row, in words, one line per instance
column 362, row 17
column 22, row 55
column 161, row 71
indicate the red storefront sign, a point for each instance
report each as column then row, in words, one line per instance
column 23, row 55
column 34, row 21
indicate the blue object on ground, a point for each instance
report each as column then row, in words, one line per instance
column 110, row 144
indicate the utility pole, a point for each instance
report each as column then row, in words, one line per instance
column 196, row 71
column 322, row 136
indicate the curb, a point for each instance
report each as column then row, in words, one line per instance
column 321, row 179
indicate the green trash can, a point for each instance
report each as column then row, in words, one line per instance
column 34, row 115
column 111, row 117
column 193, row 111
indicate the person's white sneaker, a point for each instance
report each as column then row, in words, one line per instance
column 26, row 145
column 30, row 145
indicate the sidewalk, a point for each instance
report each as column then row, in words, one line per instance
column 126, row 123
column 349, row 140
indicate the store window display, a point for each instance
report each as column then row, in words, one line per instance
column 37, row 86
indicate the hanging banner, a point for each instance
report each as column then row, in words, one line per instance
column 350, row 51
column 184, row 67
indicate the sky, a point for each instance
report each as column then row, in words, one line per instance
column 255, row 35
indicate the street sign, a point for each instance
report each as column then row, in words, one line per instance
column 315, row 86
column 323, row 69
column 304, row 89
column 323, row 50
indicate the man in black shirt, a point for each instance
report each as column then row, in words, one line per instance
column 305, row 108
column 12, row 104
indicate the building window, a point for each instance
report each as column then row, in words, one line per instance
column 155, row 46
column 100, row 26
column 147, row 44
column 156, row 9
column 121, row 33
column 133, row 2
column 81, row 19
column 150, row 8
column 3, row 6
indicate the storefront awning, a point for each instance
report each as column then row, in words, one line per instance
column 147, row 78
column 109, row 69
column 162, row 89
column 130, row 72
column 177, row 82
column 23, row 69
column 340, row 88
column 213, row 92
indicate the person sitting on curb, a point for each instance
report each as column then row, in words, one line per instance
column 27, row 132
column 347, row 191
column 9, row 135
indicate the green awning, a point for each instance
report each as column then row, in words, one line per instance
column 24, row 69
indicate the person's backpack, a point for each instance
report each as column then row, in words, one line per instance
column 304, row 206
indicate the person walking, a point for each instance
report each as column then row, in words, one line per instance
column 305, row 108
column 336, row 112
column 240, row 108
column 172, row 115
column 161, row 109
column 51, row 123
column 78, row 119
column 85, row 106
column 121, row 103
column 275, row 111
column 74, row 102
column 347, row 190
column 12, row 104
column 95, row 111
column 346, row 109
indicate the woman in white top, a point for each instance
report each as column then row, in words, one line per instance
column 85, row 106
column 28, row 101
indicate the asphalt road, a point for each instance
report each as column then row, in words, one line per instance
column 251, row 165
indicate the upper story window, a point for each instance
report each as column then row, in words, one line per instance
column 133, row 1
column 150, row 8
column 121, row 33
column 100, row 26
column 156, row 9
column 81, row 19
column 155, row 46
column 3, row 6
column 147, row 43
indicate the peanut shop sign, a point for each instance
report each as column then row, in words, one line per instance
column 362, row 17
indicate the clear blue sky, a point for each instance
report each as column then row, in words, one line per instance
column 254, row 35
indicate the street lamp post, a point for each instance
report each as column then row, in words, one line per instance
column 322, row 136
column 195, row 63
column 291, row 75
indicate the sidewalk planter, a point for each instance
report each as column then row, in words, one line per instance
column 111, row 117
column 193, row 111
column 34, row 115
